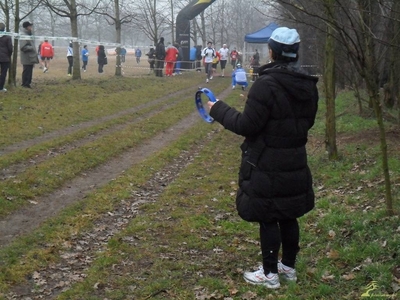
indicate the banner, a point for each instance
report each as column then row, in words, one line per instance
column 188, row 13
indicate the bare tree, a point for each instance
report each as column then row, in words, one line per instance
column 121, row 15
column 72, row 9
column 150, row 18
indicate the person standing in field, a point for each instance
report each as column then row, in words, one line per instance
column 6, row 49
column 138, row 55
column 28, row 55
column 46, row 55
column 171, row 53
column 275, row 182
column 123, row 54
column 101, row 58
column 85, row 57
column 70, row 58
column 160, row 56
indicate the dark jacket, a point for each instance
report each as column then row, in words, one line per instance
column 256, row 60
column 6, row 48
column 101, row 55
column 275, row 182
column 28, row 55
column 160, row 50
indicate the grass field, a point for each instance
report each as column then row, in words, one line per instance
column 165, row 226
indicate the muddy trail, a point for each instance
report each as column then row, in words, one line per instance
column 31, row 216
column 80, row 251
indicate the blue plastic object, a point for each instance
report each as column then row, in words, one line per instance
column 199, row 103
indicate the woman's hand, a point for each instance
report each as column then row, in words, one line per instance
column 210, row 104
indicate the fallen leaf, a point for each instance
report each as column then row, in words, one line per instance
column 350, row 276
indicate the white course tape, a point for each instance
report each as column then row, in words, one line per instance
column 62, row 38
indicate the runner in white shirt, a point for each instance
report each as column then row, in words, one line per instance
column 224, row 52
column 208, row 54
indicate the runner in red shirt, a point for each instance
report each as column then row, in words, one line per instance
column 46, row 55
column 234, row 57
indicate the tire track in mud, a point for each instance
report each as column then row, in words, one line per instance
column 79, row 252
column 30, row 217
column 74, row 128
column 14, row 169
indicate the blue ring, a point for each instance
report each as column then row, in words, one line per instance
column 199, row 104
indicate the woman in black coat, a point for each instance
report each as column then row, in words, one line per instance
column 101, row 58
column 275, row 183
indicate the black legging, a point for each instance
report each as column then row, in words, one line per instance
column 70, row 63
column 272, row 235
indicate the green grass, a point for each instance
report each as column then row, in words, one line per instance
column 191, row 242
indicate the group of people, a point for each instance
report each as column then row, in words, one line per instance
column 170, row 56
column 43, row 55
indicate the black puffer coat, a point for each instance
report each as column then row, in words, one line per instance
column 275, row 182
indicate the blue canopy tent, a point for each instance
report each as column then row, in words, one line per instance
column 261, row 36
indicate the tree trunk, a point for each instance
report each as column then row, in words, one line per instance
column 12, row 75
column 372, row 82
column 329, row 86
column 76, row 70
column 118, row 69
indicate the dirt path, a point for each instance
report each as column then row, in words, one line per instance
column 79, row 253
column 29, row 218
column 15, row 169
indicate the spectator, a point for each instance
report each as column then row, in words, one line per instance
column 234, row 55
column 179, row 58
column 85, row 57
column 275, row 182
column 224, row 54
column 101, row 58
column 192, row 56
column 152, row 58
column 123, row 54
column 160, row 56
column 208, row 54
column 255, row 65
column 46, row 55
column 239, row 77
column 6, row 49
column 70, row 58
column 29, row 56
column 138, row 55
column 171, row 53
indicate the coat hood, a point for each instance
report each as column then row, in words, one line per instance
column 292, row 79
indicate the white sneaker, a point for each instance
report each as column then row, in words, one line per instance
column 258, row 277
column 3, row 90
column 233, row 87
column 207, row 80
column 211, row 77
column 286, row 272
column 45, row 70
